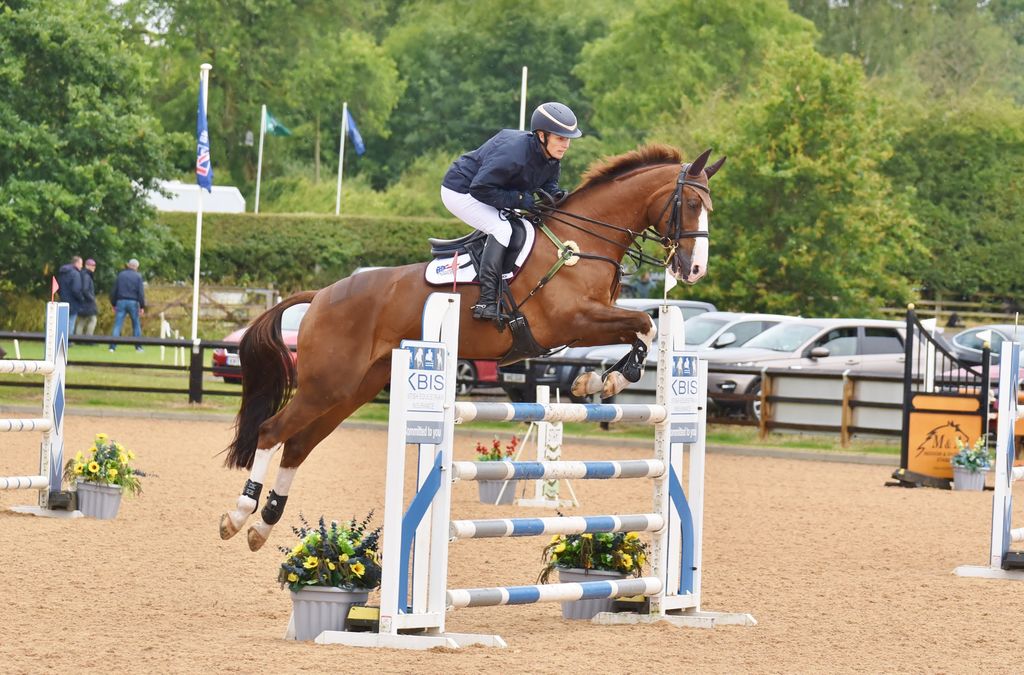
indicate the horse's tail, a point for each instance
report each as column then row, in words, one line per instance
column 268, row 379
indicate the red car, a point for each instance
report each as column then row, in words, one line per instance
column 470, row 374
column 225, row 361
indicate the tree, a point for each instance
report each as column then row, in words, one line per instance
column 666, row 57
column 78, row 148
column 964, row 165
column 805, row 221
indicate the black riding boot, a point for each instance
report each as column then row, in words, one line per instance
column 489, row 275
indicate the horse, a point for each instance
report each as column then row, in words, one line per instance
column 351, row 326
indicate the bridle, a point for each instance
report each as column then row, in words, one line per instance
column 669, row 241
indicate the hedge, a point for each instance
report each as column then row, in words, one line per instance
column 293, row 251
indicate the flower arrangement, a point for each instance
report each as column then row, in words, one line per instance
column 495, row 453
column 106, row 462
column 341, row 555
column 621, row 552
column 973, row 458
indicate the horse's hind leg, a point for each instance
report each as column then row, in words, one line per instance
column 232, row 522
column 298, row 447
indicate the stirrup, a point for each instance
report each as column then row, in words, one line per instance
column 486, row 311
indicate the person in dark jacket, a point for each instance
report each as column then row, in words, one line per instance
column 69, row 278
column 503, row 173
column 128, row 297
column 87, row 313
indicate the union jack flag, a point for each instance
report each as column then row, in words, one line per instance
column 204, row 168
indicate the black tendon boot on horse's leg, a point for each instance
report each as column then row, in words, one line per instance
column 272, row 510
column 489, row 274
column 248, row 501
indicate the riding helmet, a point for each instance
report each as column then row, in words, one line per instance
column 555, row 118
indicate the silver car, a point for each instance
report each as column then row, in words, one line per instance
column 832, row 345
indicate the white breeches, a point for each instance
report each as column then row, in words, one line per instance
column 477, row 215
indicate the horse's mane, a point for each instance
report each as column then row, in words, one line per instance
column 613, row 167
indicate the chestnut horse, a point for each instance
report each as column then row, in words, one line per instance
column 351, row 326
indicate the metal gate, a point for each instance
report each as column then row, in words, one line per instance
column 944, row 400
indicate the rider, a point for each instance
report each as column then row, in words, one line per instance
column 501, row 174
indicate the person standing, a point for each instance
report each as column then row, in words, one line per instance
column 128, row 298
column 88, row 311
column 69, row 278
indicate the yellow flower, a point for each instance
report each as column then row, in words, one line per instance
column 640, row 558
column 311, row 562
column 94, row 467
column 299, row 548
column 123, row 458
column 331, row 565
column 111, row 473
column 101, row 438
column 131, row 455
column 92, row 449
column 358, row 569
column 632, row 536
column 627, row 561
column 79, row 468
column 78, row 456
column 556, row 538
column 559, row 548
column 343, row 557
column 587, row 536
column 293, row 577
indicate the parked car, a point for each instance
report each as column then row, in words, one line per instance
column 831, row 345
column 560, row 376
column 225, row 360
column 473, row 374
column 967, row 343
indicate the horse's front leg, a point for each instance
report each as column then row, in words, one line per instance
column 608, row 325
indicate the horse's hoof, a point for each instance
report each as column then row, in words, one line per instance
column 613, row 384
column 228, row 528
column 257, row 536
column 586, row 384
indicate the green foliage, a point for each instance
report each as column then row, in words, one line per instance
column 963, row 164
column 78, row 145
column 295, row 251
column 622, row 552
column 107, row 463
column 667, row 56
column 340, row 556
column 806, row 222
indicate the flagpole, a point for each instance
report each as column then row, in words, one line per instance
column 259, row 162
column 204, row 76
column 341, row 155
column 522, row 103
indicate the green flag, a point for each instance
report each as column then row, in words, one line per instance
column 275, row 128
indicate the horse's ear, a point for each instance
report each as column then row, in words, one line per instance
column 698, row 164
column 713, row 169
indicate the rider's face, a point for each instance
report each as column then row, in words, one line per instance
column 557, row 145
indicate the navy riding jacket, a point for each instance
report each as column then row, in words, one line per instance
column 505, row 171
column 128, row 286
column 70, row 282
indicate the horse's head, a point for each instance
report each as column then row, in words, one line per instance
column 682, row 220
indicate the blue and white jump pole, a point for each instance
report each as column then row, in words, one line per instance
column 415, row 598
column 1004, row 563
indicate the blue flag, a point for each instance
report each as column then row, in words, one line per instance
column 204, row 169
column 353, row 133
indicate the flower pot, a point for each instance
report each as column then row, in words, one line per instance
column 319, row 608
column 586, row 609
column 965, row 479
column 99, row 501
column 490, row 489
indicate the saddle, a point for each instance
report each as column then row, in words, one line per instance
column 455, row 262
column 465, row 251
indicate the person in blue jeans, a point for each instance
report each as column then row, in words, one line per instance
column 128, row 297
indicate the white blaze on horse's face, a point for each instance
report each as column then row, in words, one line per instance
column 699, row 258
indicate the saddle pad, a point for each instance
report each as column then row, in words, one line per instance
column 440, row 273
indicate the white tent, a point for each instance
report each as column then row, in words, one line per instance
column 185, row 197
